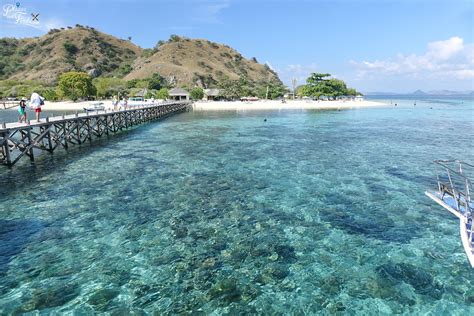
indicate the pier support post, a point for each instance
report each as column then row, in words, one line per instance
column 30, row 145
column 6, row 149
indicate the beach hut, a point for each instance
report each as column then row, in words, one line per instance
column 359, row 98
column 139, row 95
column 211, row 94
column 178, row 94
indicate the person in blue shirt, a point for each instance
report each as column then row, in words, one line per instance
column 22, row 111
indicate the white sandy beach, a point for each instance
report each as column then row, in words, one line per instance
column 73, row 106
column 278, row 105
column 234, row 105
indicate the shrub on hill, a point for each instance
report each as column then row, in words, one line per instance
column 125, row 69
column 174, row 38
column 70, row 48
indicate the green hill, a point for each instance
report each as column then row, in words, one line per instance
column 181, row 61
column 198, row 62
column 81, row 48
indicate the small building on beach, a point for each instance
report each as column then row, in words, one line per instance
column 178, row 94
column 139, row 95
column 211, row 94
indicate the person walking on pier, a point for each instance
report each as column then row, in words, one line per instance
column 123, row 104
column 36, row 102
column 22, row 111
column 115, row 103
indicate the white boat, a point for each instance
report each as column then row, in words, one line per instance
column 454, row 194
column 99, row 106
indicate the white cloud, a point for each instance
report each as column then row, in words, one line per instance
column 208, row 12
column 19, row 18
column 443, row 50
column 449, row 58
column 52, row 23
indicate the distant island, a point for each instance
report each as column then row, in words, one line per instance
column 426, row 93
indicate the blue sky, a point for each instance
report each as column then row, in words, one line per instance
column 384, row 45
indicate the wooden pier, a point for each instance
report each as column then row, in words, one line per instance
column 29, row 139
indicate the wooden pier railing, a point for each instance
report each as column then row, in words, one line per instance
column 27, row 140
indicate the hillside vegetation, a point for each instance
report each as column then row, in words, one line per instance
column 37, row 63
column 81, row 48
column 198, row 62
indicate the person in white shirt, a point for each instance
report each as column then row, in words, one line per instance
column 36, row 101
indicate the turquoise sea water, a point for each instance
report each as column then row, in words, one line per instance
column 224, row 213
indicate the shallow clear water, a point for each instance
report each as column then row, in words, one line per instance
column 308, row 212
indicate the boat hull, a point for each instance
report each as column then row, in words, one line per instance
column 465, row 227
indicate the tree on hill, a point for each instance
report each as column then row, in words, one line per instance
column 230, row 89
column 156, row 81
column 158, row 44
column 197, row 93
column 107, row 87
column 174, row 38
column 352, row 92
column 335, row 87
column 70, row 48
column 274, row 91
column 244, row 87
column 316, row 78
column 75, row 85
column 162, row 94
column 137, row 83
column 317, row 85
column 48, row 93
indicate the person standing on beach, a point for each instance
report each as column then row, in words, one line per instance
column 22, row 111
column 114, row 103
column 36, row 102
